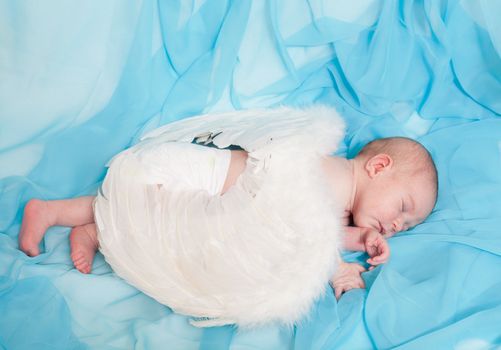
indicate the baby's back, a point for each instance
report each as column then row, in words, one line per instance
column 237, row 166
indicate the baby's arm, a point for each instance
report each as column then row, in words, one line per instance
column 353, row 239
column 348, row 275
column 367, row 240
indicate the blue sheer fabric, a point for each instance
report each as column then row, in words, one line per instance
column 80, row 81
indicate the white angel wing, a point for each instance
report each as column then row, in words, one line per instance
column 261, row 252
column 258, row 128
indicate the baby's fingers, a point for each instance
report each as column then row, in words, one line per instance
column 380, row 254
column 338, row 291
column 344, row 286
column 376, row 261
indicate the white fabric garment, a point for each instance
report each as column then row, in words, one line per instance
column 262, row 252
column 183, row 165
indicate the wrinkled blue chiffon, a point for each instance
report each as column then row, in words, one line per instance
column 80, row 81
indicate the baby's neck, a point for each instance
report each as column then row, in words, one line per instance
column 341, row 176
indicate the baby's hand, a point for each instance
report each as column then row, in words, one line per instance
column 348, row 276
column 376, row 246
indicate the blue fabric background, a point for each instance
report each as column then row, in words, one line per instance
column 81, row 80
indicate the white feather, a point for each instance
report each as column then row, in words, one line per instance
column 263, row 252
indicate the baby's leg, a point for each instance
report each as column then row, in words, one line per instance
column 39, row 215
column 83, row 244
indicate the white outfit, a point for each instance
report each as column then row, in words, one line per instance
column 184, row 165
column 262, row 252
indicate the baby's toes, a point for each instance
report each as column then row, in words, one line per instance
column 79, row 260
column 83, row 266
column 77, row 257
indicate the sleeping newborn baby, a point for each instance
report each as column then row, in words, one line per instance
column 244, row 236
column 390, row 186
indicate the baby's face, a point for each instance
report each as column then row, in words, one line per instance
column 391, row 204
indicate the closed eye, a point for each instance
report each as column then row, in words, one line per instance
column 403, row 206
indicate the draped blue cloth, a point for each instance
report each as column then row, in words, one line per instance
column 81, row 80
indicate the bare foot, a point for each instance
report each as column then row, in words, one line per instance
column 83, row 245
column 36, row 220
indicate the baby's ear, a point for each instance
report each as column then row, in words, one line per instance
column 378, row 164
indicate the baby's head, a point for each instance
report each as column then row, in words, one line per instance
column 396, row 185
